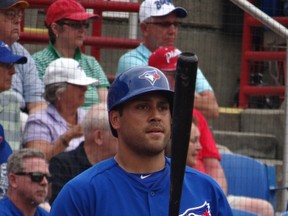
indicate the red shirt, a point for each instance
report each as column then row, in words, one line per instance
column 209, row 148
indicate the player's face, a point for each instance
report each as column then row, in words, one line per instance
column 160, row 31
column 194, row 146
column 144, row 126
column 32, row 193
column 10, row 24
column 6, row 73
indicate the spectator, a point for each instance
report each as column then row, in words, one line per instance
column 9, row 105
column 57, row 128
column 67, row 24
column 29, row 177
column 99, row 144
column 25, row 82
column 194, row 144
column 136, row 181
column 9, row 117
column 165, row 59
column 159, row 21
column 254, row 205
column 208, row 158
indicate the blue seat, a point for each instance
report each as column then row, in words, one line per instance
column 249, row 177
column 284, row 213
column 238, row 212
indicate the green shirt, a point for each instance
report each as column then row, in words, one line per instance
column 89, row 64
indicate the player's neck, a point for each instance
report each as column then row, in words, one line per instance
column 136, row 164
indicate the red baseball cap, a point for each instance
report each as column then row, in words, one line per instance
column 164, row 58
column 67, row 9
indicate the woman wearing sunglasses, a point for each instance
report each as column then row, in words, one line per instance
column 67, row 23
column 29, row 178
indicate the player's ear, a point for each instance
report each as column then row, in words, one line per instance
column 114, row 118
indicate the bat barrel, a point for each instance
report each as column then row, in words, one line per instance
column 185, row 81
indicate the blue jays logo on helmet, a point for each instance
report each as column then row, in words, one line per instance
column 150, row 76
column 203, row 210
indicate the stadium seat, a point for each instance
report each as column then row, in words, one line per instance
column 249, row 177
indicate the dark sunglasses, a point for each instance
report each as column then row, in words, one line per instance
column 75, row 25
column 7, row 66
column 165, row 24
column 36, row 176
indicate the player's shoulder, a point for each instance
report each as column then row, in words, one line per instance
column 194, row 175
column 200, row 177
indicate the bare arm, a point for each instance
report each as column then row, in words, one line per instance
column 207, row 104
column 215, row 170
column 60, row 144
column 36, row 106
column 102, row 92
column 46, row 147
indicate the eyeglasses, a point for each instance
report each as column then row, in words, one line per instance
column 75, row 25
column 7, row 66
column 12, row 14
column 165, row 24
column 36, row 176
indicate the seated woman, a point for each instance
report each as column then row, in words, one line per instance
column 68, row 23
column 57, row 128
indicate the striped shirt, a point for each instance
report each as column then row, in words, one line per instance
column 10, row 118
column 89, row 64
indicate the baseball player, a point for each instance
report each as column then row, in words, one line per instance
column 136, row 181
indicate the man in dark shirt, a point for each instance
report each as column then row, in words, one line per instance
column 99, row 144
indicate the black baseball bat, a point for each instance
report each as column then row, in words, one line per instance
column 183, row 103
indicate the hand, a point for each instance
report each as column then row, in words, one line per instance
column 74, row 132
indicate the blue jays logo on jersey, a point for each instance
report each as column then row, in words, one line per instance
column 151, row 76
column 159, row 3
column 203, row 210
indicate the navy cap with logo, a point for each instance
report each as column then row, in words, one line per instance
column 7, row 57
column 6, row 4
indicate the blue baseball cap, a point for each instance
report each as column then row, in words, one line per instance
column 7, row 57
column 6, row 4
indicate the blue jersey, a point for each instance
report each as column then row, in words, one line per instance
column 106, row 189
column 7, row 208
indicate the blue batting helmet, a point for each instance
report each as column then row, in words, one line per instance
column 137, row 81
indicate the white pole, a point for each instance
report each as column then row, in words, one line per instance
column 285, row 146
column 283, row 32
column 133, row 23
column 275, row 26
